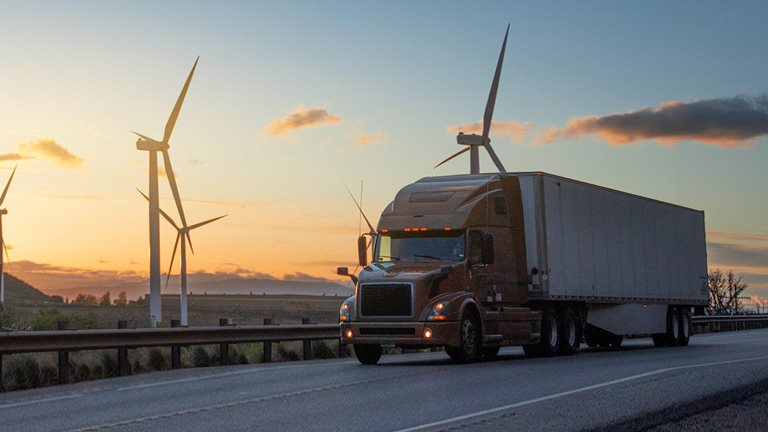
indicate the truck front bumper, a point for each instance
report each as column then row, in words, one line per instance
column 401, row 333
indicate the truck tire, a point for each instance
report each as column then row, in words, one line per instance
column 468, row 350
column 684, row 321
column 368, row 354
column 568, row 333
column 550, row 334
column 673, row 327
column 490, row 351
column 659, row 339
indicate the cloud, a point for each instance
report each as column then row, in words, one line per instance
column 364, row 140
column 303, row 277
column 300, row 119
column 194, row 161
column 737, row 236
column 511, row 129
column 10, row 157
column 51, row 150
column 725, row 254
column 726, row 122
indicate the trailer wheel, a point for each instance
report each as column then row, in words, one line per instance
column 550, row 335
column 569, row 341
column 659, row 339
column 684, row 320
column 367, row 353
column 673, row 327
column 469, row 345
column 591, row 336
column 490, row 352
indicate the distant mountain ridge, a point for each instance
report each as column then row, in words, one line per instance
column 228, row 285
column 19, row 292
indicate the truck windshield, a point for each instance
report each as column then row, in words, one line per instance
column 421, row 246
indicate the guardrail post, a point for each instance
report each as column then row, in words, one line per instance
column 175, row 349
column 224, row 347
column 122, row 353
column 63, row 358
column 266, row 356
column 307, row 343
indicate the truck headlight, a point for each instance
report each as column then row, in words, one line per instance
column 437, row 313
column 344, row 312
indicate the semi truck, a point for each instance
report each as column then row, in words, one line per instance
column 475, row 262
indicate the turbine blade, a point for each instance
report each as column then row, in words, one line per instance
column 174, row 186
column 144, row 137
column 494, row 89
column 361, row 210
column 495, row 158
column 199, row 224
column 7, row 257
column 173, row 257
column 454, row 155
column 189, row 240
column 177, row 108
column 165, row 215
column 5, row 191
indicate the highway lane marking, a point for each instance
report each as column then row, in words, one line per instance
column 225, row 374
column 37, row 401
column 574, row 391
column 242, row 402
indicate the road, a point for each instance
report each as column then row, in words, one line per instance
column 592, row 390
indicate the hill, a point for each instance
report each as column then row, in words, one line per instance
column 19, row 292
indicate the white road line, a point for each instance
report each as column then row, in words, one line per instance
column 570, row 392
column 225, row 374
column 37, row 401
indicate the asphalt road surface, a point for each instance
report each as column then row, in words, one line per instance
column 639, row 386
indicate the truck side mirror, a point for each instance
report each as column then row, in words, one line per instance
column 362, row 251
column 487, row 249
column 342, row 271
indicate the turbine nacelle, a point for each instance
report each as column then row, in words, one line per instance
column 146, row 143
column 471, row 139
column 3, row 212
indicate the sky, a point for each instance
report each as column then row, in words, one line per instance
column 292, row 100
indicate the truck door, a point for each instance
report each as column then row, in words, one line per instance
column 493, row 278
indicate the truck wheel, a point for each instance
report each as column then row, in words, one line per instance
column 684, row 320
column 490, row 352
column 368, row 354
column 659, row 339
column 673, row 327
column 550, row 335
column 569, row 341
column 591, row 338
column 469, row 344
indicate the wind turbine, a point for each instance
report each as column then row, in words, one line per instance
column 2, row 241
column 474, row 141
column 183, row 235
column 153, row 146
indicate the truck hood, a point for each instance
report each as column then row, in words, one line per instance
column 408, row 271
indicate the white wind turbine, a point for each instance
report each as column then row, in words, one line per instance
column 2, row 240
column 183, row 235
column 153, row 146
column 474, row 141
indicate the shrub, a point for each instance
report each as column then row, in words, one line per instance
column 21, row 372
column 200, row 357
column 156, row 360
column 285, row 353
column 49, row 375
column 83, row 372
column 49, row 320
column 108, row 365
column 321, row 350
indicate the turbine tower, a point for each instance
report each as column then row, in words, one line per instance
column 153, row 146
column 2, row 240
column 183, row 235
column 474, row 141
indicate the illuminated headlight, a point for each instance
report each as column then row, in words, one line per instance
column 348, row 333
column 437, row 312
column 344, row 312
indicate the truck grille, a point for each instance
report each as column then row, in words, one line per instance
column 385, row 300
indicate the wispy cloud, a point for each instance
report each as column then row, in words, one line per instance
column 10, row 157
column 52, row 151
column 300, row 119
column 365, row 140
column 727, row 235
column 515, row 130
column 194, row 161
column 726, row 122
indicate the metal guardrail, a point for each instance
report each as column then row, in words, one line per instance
column 64, row 341
column 720, row 323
